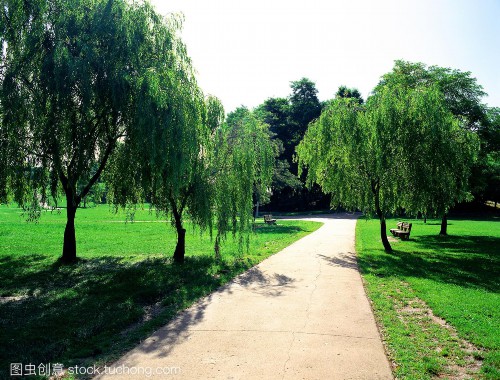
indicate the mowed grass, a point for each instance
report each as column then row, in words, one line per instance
column 123, row 288
column 454, row 278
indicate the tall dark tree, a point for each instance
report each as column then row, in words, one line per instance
column 304, row 107
column 71, row 72
column 345, row 92
column 288, row 120
column 275, row 112
column 486, row 173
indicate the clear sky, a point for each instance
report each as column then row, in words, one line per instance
column 247, row 51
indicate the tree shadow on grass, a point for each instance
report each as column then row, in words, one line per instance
column 264, row 229
column 437, row 224
column 72, row 314
column 467, row 261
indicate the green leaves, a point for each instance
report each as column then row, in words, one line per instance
column 404, row 150
column 80, row 78
column 244, row 162
column 335, row 152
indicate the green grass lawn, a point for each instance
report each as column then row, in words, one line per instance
column 430, row 280
column 123, row 287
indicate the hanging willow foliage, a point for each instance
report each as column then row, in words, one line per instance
column 403, row 150
column 75, row 79
column 243, row 160
column 187, row 164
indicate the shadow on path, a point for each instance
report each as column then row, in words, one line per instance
column 343, row 259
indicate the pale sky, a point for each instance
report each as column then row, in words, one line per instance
column 247, row 51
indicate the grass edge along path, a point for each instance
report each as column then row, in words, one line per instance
column 436, row 299
column 94, row 311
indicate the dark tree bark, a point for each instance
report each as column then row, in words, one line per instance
column 73, row 200
column 383, row 232
column 444, row 225
column 217, row 248
column 180, row 248
column 69, row 244
column 423, row 216
column 381, row 216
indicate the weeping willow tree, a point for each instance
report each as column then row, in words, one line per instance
column 447, row 175
column 191, row 166
column 73, row 75
column 350, row 158
column 166, row 156
column 243, row 163
column 435, row 151
column 394, row 153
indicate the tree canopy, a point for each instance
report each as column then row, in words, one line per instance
column 461, row 91
column 366, row 158
column 275, row 112
column 288, row 119
column 486, row 173
column 244, row 160
column 462, row 96
column 304, row 106
column 345, row 92
column 191, row 164
column 74, row 75
column 165, row 156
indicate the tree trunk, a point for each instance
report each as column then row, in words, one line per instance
column 218, row 256
column 381, row 216
column 69, row 245
column 383, row 234
column 180, row 248
column 425, row 218
column 444, row 225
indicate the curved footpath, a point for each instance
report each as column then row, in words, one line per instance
column 300, row 314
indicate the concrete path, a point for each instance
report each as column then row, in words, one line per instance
column 300, row 314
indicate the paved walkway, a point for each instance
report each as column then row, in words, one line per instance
column 300, row 314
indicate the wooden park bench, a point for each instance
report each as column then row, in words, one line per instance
column 269, row 219
column 403, row 230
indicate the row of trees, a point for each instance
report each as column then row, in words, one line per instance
column 92, row 88
column 104, row 90
column 411, row 148
column 289, row 117
column 464, row 174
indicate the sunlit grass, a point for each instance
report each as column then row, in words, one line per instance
column 457, row 276
column 77, row 314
